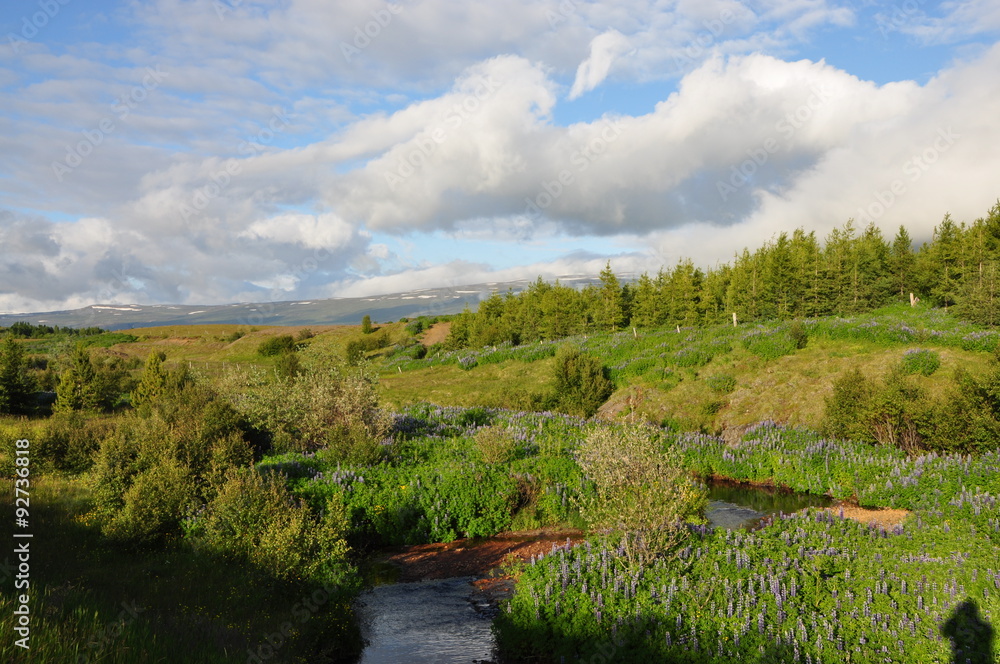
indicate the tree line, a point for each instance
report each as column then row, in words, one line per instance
column 790, row 276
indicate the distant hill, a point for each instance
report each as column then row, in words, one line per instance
column 336, row 311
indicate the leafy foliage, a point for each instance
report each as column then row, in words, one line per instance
column 327, row 406
column 255, row 520
column 641, row 496
column 581, row 382
column 921, row 361
column 284, row 343
column 16, row 384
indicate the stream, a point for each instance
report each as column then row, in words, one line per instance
column 442, row 621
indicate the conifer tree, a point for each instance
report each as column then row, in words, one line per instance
column 16, row 385
column 153, row 381
column 609, row 313
column 78, row 389
column 901, row 262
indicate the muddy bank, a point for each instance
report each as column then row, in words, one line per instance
column 482, row 557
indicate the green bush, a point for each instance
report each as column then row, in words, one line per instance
column 798, row 334
column 496, row 445
column 154, row 504
column 284, row 343
column 721, row 383
column 474, row 417
column 918, row 360
column 848, row 408
column 70, row 441
column 254, row 519
column 640, row 496
column 326, row 406
column 287, row 367
column 581, row 382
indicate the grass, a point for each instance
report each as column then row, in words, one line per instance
column 94, row 600
column 485, row 385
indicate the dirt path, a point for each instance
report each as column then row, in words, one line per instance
column 436, row 333
column 481, row 557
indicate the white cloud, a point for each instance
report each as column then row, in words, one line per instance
column 326, row 231
column 605, row 49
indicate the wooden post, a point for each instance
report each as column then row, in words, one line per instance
column 734, row 319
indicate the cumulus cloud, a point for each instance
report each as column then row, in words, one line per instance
column 605, row 49
column 280, row 137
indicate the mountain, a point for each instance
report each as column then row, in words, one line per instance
column 334, row 311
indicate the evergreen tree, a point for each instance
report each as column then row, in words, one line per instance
column 901, row 262
column 16, row 385
column 939, row 263
column 366, row 324
column 153, row 380
column 806, row 266
column 871, row 280
column 78, row 389
column 609, row 307
column 646, row 308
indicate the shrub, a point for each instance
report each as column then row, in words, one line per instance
column 798, row 334
column 254, row 519
column 496, row 445
column 154, row 504
column 16, row 384
column 327, row 405
column 288, row 366
column 474, row 417
column 721, row 383
column 848, row 407
column 366, row 324
column 640, row 496
column 276, row 346
column 918, row 360
column 581, row 382
column 69, row 441
column 356, row 348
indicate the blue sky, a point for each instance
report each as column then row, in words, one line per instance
column 211, row 151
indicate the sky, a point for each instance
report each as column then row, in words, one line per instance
column 217, row 151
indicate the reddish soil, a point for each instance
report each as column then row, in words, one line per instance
column 885, row 518
column 436, row 333
column 479, row 557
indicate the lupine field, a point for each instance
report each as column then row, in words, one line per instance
column 808, row 587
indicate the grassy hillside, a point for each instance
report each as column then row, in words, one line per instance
column 709, row 378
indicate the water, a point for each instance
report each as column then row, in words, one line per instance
column 443, row 622
column 425, row 622
column 733, row 505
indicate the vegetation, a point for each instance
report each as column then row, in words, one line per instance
column 16, row 384
column 239, row 470
column 790, row 277
column 284, row 343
